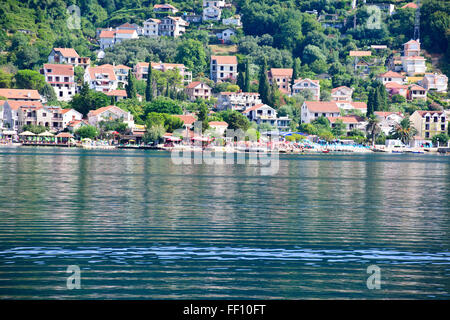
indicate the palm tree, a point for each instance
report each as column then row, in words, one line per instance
column 404, row 131
column 373, row 128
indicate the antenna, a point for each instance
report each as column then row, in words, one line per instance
column 417, row 23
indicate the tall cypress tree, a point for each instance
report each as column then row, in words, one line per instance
column 371, row 102
column 241, row 80
column 247, row 77
column 131, row 86
column 295, row 71
column 149, row 87
column 264, row 88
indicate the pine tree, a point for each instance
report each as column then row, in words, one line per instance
column 131, row 86
column 247, row 77
column 149, row 87
column 264, row 88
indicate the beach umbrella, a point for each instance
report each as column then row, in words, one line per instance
column 46, row 134
column 27, row 133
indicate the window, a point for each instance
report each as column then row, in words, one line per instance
column 427, row 119
column 427, row 127
column 316, row 114
column 427, row 134
column 442, row 127
column 44, row 114
column 442, row 119
column 435, row 119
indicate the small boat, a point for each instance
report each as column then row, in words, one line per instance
column 325, row 151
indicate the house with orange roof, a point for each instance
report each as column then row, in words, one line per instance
column 261, row 114
column 69, row 115
column 198, row 90
column 110, row 113
column 396, row 88
column 282, row 77
column 101, row 78
column 165, row 8
column 61, row 77
column 109, row 37
column 410, row 5
column 313, row 86
column 223, row 67
column 188, row 120
column 11, row 112
column 417, row 92
column 342, row 93
column 391, row 76
column 238, row 101
column 388, row 120
column 412, row 62
column 50, row 117
column 68, row 56
column 20, row 94
column 218, row 126
column 429, row 123
column 351, row 122
column 355, row 105
column 311, row 110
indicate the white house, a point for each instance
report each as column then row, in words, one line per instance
column 211, row 14
column 226, row 35
column 110, row 113
column 101, row 78
column 261, row 113
column 70, row 115
column 109, row 38
column 214, row 3
column 172, row 26
column 388, row 120
column 219, row 126
column 239, row 101
column 349, row 105
column 351, row 122
column 223, row 67
column 311, row 110
column 61, row 78
column 151, row 28
column 198, row 90
column 68, row 56
column 341, row 93
column 434, row 81
column 11, row 112
column 307, row 84
column 412, row 62
column 391, row 76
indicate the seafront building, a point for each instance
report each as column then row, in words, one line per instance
column 109, row 113
column 429, row 123
column 61, row 77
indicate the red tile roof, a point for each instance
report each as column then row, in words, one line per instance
column 410, row 5
column 59, row 69
column 117, row 93
column 107, row 34
column 424, row 112
column 109, row 70
column 359, row 105
column 101, row 110
column 225, row 59
column 255, row 107
column 218, row 123
column 339, row 88
column 357, row 53
column 395, row 85
column 391, row 74
column 67, row 52
column 20, row 94
column 279, row 72
column 322, row 106
column 187, row 119
column 16, row 104
column 345, row 119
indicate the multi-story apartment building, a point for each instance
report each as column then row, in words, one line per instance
column 101, row 78
column 50, row 117
column 261, row 114
column 223, row 68
column 68, row 56
column 110, row 113
column 412, row 62
column 238, row 101
column 282, row 78
column 151, row 28
column 312, row 86
column 429, row 123
column 61, row 78
column 172, row 26
column 11, row 112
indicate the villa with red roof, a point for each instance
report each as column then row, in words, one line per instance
column 110, row 113
column 61, row 77
column 141, row 70
column 11, row 111
column 261, row 113
column 412, row 62
column 198, row 90
column 101, row 78
column 282, row 78
column 237, row 100
column 223, row 67
column 341, row 93
column 311, row 110
column 20, row 94
column 69, row 115
column 109, row 37
column 68, row 56
column 313, row 86
column 391, row 76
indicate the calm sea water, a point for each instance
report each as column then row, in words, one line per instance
column 141, row 227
